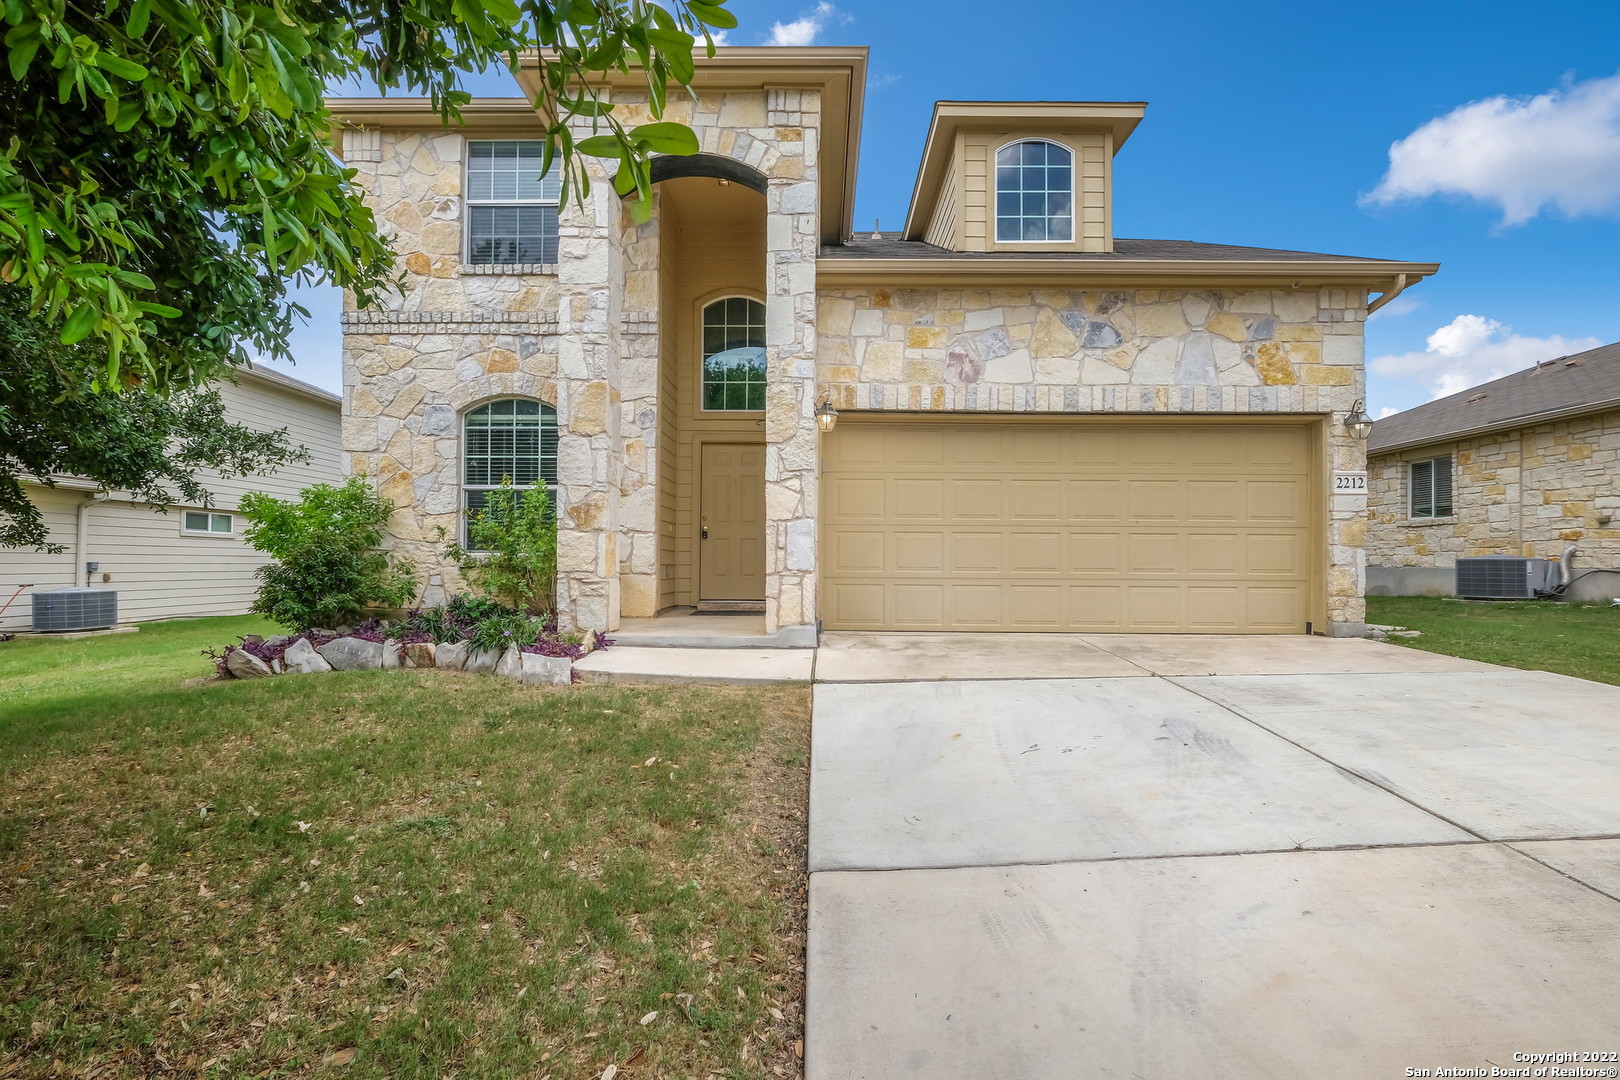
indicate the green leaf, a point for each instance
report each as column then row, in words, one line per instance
column 114, row 64
column 712, row 15
column 600, row 146
column 665, row 138
column 139, row 13
column 80, row 323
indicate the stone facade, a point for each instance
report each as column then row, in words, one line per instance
column 1526, row 491
column 453, row 337
column 587, row 336
column 1113, row 352
column 582, row 336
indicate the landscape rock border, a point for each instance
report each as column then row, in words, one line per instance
column 344, row 653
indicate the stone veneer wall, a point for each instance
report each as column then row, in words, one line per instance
column 581, row 335
column 455, row 335
column 1113, row 351
column 1530, row 491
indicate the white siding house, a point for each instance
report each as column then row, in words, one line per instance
column 192, row 560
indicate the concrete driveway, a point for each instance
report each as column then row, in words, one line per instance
column 1165, row 856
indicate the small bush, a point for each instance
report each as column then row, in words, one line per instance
column 512, row 556
column 328, row 565
column 501, row 632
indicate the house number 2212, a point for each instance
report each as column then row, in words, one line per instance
column 1349, row 483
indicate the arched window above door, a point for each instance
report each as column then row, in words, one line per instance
column 733, row 355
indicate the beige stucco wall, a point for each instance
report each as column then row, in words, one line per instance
column 1114, row 352
column 1529, row 491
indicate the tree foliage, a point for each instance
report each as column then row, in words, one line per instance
column 164, row 175
column 329, row 564
column 148, row 444
column 513, row 548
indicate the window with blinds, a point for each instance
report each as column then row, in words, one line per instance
column 510, row 440
column 511, row 205
column 1430, row 486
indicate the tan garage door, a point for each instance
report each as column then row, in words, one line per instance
column 1141, row 528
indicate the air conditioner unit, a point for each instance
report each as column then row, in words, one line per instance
column 56, row 610
column 1504, row 577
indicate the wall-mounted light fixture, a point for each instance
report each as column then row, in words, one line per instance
column 826, row 415
column 1359, row 423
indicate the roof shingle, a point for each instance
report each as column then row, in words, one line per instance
column 1554, row 386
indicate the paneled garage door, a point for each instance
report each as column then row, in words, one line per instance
column 1088, row 526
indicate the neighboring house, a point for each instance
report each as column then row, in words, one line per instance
column 191, row 560
column 1040, row 427
column 1525, row 465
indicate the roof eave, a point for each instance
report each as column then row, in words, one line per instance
column 277, row 380
column 1119, row 272
column 839, row 71
column 1512, row 423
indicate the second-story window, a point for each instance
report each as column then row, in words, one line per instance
column 511, row 208
column 1035, row 192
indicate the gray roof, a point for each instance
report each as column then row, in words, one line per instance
column 1585, row 382
column 893, row 246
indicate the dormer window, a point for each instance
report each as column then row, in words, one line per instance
column 1035, row 193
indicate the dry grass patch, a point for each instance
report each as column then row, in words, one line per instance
column 400, row 874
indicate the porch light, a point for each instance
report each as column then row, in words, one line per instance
column 826, row 415
column 1359, row 423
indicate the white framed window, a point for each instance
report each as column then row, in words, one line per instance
column 511, row 207
column 511, row 439
column 1429, row 487
column 206, row 523
column 734, row 355
column 1035, row 193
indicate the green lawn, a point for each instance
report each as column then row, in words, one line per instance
column 1573, row 639
column 391, row 874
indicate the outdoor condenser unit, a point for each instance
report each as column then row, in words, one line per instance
column 1504, row 577
column 56, row 610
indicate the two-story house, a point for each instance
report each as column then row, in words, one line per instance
column 1030, row 425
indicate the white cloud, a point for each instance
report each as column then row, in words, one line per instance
column 806, row 28
column 1560, row 149
column 719, row 37
column 1472, row 349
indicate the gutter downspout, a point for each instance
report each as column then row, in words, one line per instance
column 1395, row 289
column 81, row 541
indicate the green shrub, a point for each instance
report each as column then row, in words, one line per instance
column 328, row 565
column 502, row 632
column 512, row 551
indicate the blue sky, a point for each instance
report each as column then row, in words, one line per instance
column 1272, row 124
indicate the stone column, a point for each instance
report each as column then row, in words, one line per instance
column 638, row 421
column 791, row 438
column 1342, row 314
column 590, row 276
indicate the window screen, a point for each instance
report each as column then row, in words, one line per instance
column 198, row 521
column 1431, row 487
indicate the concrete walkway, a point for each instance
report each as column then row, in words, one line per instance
column 1194, row 857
